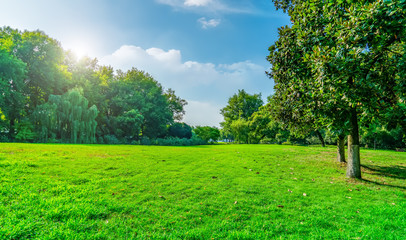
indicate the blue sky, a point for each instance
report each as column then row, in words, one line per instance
column 203, row 49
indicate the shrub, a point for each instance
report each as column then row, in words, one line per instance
column 111, row 139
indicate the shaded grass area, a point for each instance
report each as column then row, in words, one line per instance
column 201, row 192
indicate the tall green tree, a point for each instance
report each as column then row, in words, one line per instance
column 240, row 107
column 208, row 134
column 176, row 104
column 12, row 99
column 342, row 60
column 137, row 90
column 44, row 59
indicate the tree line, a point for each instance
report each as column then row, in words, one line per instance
column 248, row 120
column 48, row 95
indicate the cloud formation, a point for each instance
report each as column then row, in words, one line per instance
column 212, row 23
column 209, row 6
column 206, row 86
column 197, row 3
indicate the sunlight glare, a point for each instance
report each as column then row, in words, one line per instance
column 80, row 50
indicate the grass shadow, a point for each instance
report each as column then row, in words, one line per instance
column 398, row 172
column 383, row 184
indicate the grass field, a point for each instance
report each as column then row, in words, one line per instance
column 204, row 192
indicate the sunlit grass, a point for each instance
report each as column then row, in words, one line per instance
column 204, row 192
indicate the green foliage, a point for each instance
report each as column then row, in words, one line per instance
column 180, row 130
column 240, row 130
column 241, row 105
column 12, row 88
column 139, row 91
column 379, row 137
column 338, row 62
column 174, row 141
column 130, row 124
column 176, row 104
column 67, row 118
column 208, row 134
column 54, row 191
column 25, row 131
column 236, row 114
column 36, row 74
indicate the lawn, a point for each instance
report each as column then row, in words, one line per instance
column 204, row 192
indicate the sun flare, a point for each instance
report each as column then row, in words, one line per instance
column 80, row 50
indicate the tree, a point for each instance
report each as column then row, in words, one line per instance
column 180, row 130
column 12, row 99
column 129, row 124
column 176, row 104
column 263, row 125
column 137, row 90
column 44, row 59
column 240, row 107
column 208, row 134
column 67, row 118
column 341, row 60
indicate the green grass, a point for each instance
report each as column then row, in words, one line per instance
column 205, row 192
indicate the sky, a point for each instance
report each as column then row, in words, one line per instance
column 205, row 50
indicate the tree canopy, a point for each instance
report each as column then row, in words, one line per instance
column 48, row 95
column 339, row 61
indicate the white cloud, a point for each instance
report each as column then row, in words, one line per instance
column 197, row 3
column 212, row 6
column 203, row 114
column 206, row 86
column 208, row 24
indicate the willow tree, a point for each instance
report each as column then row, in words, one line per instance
column 344, row 60
column 67, row 118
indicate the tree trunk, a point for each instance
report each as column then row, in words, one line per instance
column 323, row 144
column 354, row 161
column 12, row 129
column 340, row 149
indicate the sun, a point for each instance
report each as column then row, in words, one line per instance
column 79, row 47
column 80, row 50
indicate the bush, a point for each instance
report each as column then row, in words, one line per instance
column 111, row 139
column 4, row 138
column 381, row 138
column 180, row 130
column 172, row 141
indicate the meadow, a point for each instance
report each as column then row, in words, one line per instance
column 201, row 192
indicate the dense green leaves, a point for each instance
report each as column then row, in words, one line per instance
column 68, row 118
column 45, row 94
column 338, row 62
column 208, row 134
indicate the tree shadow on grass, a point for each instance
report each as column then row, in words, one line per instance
column 397, row 172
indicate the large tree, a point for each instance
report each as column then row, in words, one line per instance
column 12, row 100
column 239, row 109
column 342, row 59
column 137, row 90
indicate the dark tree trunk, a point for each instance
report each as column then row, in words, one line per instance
column 323, row 144
column 11, row 133
column 340, row 149
column 354, row 161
